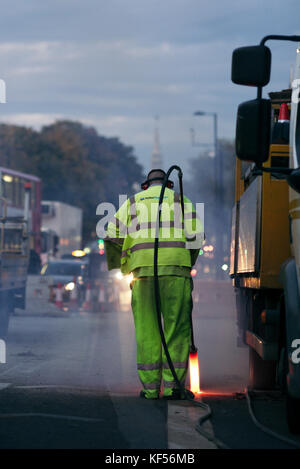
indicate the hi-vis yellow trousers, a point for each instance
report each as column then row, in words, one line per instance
column 176, row 309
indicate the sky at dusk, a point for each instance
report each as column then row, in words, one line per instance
column 116, row 64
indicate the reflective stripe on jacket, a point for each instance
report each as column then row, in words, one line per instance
column 134, row 228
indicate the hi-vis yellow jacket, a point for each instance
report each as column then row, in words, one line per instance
column 132, row 231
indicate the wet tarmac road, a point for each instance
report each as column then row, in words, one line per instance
column 83, row 366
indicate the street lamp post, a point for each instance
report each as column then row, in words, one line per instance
column 218, row 169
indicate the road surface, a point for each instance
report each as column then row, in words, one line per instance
column 71, row 382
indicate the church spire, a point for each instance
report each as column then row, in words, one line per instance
column 156, row 157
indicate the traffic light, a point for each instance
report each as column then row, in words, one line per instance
column 101, row 246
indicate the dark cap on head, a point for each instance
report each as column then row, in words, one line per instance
column 156, row 176
column 156, row 173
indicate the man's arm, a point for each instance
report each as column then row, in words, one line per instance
column 113, row 254
column 115, row 234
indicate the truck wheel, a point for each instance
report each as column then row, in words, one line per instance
column 293, row 414
column 262, row 373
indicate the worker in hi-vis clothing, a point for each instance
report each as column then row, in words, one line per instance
column 129, row 244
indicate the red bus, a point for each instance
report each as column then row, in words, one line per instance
column 12, row 188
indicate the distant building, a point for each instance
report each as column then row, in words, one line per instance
column 156, row 157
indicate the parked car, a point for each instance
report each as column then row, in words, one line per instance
column 64, row 272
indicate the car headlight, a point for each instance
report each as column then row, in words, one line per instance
column 70, row 286
column 129, row 278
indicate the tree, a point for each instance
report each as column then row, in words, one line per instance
column 76, row 164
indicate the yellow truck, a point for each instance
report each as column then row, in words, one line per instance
column 265, row 240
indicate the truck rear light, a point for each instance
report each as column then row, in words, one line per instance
column 263, row 317
column 270, row 316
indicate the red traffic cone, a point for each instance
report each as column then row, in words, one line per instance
column 87, row 305
column 284, row 115
column 59, row 296
column 281, row 129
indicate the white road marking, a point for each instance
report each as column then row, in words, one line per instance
column 32, row 369
column 182, row 419
column 4, row 386
column 55, row 386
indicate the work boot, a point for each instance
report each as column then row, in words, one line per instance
column 143, row 395
column 177, row 394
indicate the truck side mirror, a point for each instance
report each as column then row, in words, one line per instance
column 251, row 66
column 253, row 129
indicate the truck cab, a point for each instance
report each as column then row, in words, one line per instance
column 265, row 241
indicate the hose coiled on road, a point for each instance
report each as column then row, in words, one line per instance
column 265, row 429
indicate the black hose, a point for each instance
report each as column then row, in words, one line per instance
column 186, row 393
column 265, row 429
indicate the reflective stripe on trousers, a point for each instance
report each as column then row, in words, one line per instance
column 172, row 384
column 176, row 304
